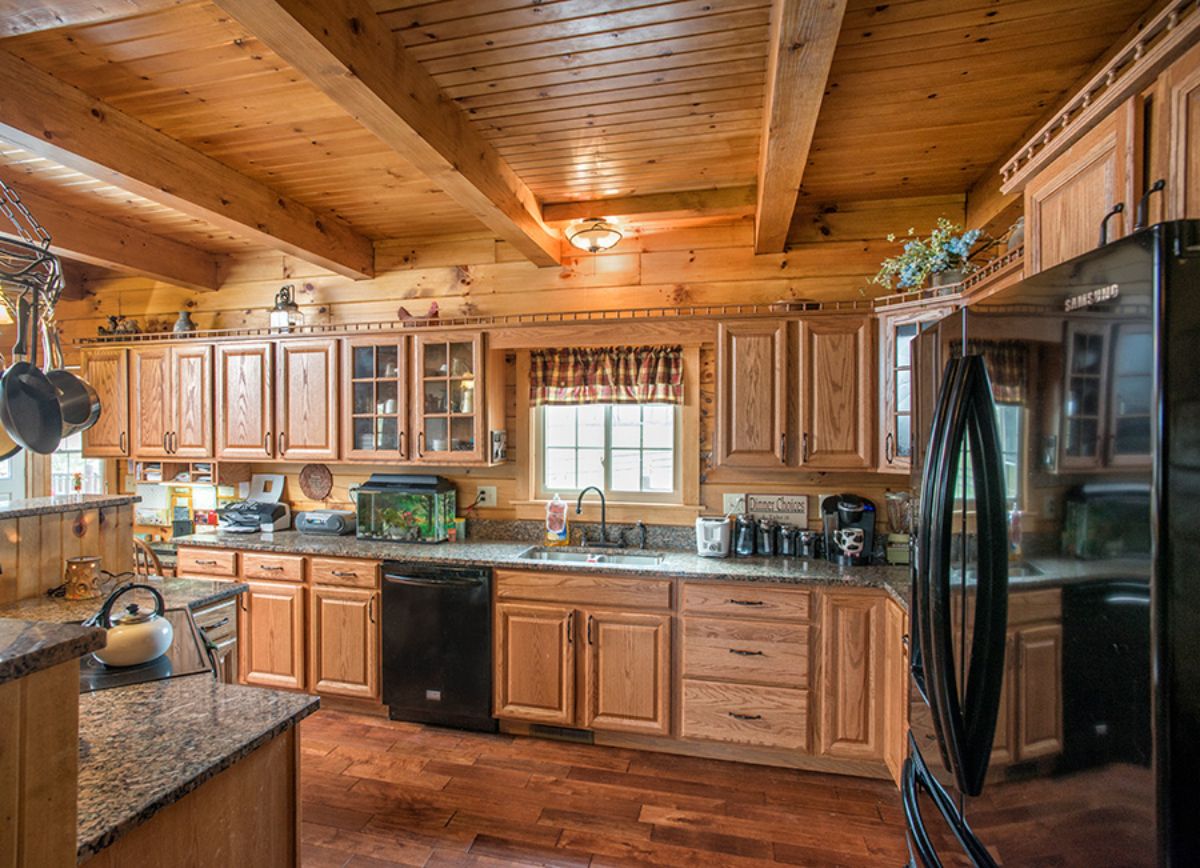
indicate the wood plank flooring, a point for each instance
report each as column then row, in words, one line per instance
column 378, row 793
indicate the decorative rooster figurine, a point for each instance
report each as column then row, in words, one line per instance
column 405, row 316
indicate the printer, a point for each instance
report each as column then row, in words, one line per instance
column 262, row 509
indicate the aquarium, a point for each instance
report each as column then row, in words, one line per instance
column 407, row 508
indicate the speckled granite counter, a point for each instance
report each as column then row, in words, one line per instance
column 28, row 646
column 682, row 565
column 63, row 503
column 141, row 748
column 177, row 593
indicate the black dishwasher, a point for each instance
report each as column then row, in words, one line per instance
column 437, row 644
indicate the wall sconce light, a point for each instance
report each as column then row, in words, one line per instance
column 286, row 314
column 594, row 235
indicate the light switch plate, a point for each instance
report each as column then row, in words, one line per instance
column 485, row 496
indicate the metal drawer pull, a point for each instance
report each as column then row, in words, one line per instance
column 206, row 563
column 214, row 625
column 343, row 574
column 274, row 568
column 747, row 602
column 741, row 653
column 737, row 716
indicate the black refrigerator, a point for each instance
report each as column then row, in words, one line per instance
column 1055, row 616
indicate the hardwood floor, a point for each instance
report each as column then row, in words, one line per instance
column 380, row 793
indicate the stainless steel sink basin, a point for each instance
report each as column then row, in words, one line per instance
column 597, row 557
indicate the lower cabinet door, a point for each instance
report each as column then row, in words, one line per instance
column 343, row 642
column 535, row 663
column 627, row 672
column 1039, row 730
column 272, row 635
column 852, row 631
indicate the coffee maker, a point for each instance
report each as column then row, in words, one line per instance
column 849, row 523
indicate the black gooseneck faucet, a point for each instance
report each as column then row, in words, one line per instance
column 603, row 542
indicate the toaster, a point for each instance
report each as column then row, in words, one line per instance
column 327, row 522
column 713, row 536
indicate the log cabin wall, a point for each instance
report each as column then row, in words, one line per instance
column 837, row 248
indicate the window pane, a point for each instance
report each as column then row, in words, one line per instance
column 591, row 468
column 903, row 391
column 560, row 426
column 559, row 470
column 658, row 471
column 626, row 470
column 658, row 426
column 626, row 426
column 591, row 425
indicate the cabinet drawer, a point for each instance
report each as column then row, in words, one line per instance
column 746, row 601
column 279, row 568
column 218, row 621
column 209, row 562
column 764, row 652
column 745, row 714
column 344, row 571
column 583, row 589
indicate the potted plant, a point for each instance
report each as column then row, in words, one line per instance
column 943, row 257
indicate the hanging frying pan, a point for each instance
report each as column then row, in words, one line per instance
column 8, row 446
column 78, row 401
column 29, row 407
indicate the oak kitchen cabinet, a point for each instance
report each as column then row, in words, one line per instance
column 579, row 651
column 278, row 400
column 1030, row 723
column 896, row 438
column 1181, row 97
column 375, row 398
column 272, row 635
column 752, row 393
column 107, row 370
column 343, row 642
column 836, row 393
column 852, row 654
column 171, row 405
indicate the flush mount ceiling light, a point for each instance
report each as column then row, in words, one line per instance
column 593, row 235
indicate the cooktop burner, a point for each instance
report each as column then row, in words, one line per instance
column 186, row 656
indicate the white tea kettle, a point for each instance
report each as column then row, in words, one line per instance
column 135, row 636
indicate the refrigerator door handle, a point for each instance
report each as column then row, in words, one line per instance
column 916, row 778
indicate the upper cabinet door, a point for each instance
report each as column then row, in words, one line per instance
column 108, row 373
column 243, row 378
column 152, row 402
column 836, row 393
column 306, row 402
column 1182, row 89
column 1066, row 202
column 751, row 393
column 375, row 399
column 191, row 389
column 448, row 399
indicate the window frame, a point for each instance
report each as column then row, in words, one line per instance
column 674, row 497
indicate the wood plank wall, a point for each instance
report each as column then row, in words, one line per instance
column 837, row 248
column 33, row 548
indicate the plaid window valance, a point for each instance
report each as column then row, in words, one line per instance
column 606, row 375
column 1008, row 365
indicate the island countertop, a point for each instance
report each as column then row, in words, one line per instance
column 63, row 503
column 31, row 645
column 144, row 747
column 177, row 594
column 674, row 564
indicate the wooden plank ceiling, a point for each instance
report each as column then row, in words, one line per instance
column 583, row 99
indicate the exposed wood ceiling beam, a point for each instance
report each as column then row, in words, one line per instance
column 347, row 50
column 25, row 16
column 53, row 119
column 726, row 201
column 96, row 240
column 804, row 34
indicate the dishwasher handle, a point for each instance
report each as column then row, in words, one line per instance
column 432, row 582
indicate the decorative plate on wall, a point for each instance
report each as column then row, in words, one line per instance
column 316, row 481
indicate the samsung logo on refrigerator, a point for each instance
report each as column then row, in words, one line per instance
column 1091, row 297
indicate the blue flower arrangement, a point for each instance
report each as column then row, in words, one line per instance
column 948, row 247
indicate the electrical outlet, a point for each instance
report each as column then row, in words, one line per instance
column 485, row 496
column 733, row 503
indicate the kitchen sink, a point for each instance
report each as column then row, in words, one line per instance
column 627, row 559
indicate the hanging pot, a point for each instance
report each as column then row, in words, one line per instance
column 78, row 401
column 29, row 408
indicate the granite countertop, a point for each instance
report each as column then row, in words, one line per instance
column 144, row 747
column 28, row 646
column 177, row 593
column 684, row 565
column 63, row 503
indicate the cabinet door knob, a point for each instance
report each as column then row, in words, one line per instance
column 403, row 454
column 371, row 609
column 783, row 447
column 420, row 443
column 589, row 629
column 121, row 443
column 570, row 628
column 267, row 443
column 282, row 443
column 804, row 447
column 889, row 448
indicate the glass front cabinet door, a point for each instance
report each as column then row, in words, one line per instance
column 448, row 400
column 376, row 393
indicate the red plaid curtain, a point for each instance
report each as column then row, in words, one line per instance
column 606, row 375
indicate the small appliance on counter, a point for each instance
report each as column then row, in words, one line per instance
column 406, row 508
column 262, row 510
column 849, row 523
column 713, row 536
column 746, row 529
column 327, row 522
